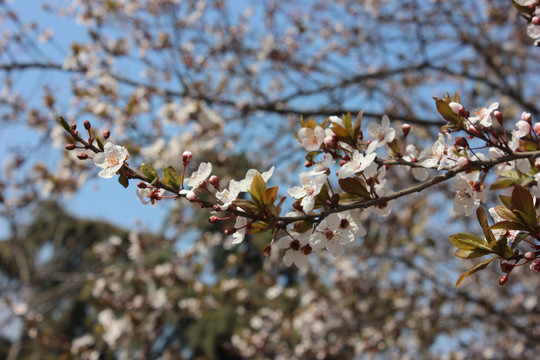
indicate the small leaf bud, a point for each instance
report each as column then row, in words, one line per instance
column 503, row 280
column 214, row 180
column 82, row 156
column 186, row 157
column 106, row 134
column 406, row 128
column 87, row 125
column 73, row 126
column 229, row 231
column 70, row 146
column 142, row 185
column 213, row 219
column 529, row 255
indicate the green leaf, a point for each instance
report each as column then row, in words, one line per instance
column 101, row 146
column 171, row 177
column 510, row 225
column 258, row 186
column 482, row 219
column 469, row 242
column 506, row 214
column 456, row 97
column 506, row 200
column 522, row 200
column 347, row 122
column 471, row 254
column 480, row 266
column 64, row 124
column 501, row 248
column 123, row 181
column 502, row 184
column 354, row 186
column 149, row 171
column 245, row 205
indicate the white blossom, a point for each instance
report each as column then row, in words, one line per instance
column 311, row 139
column 296, row 253
column 240, row 226
column 245, row 184
column 197, row 178
column 307, row 191
column 358, row 163
column 227, row 196
column 330, row 235
column 382, row 133
column 111, row 159
column 483, row 115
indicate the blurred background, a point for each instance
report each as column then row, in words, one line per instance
column 89, row 272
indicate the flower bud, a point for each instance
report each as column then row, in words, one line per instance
column 537, row 129
column 216, row 207
column 525, row 116
column 186, row 157
column 406, row 128
column 457, row 108
column 213, row 219
column 536, row 20
column 70, row 146
column 463, row 162
column 330, row 142
column 229, row 231
column 529, row 255
column 535, row 265
column 214, row 180
column 82, row 156
column 498, row 116
column 142, row 185
column 192, row 196
column 87, row 125
column 503, row 280
column 266, row 251
column 106, row 134
column 73, row 126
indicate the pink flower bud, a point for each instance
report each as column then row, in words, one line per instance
column 461, row 141
column 266, row 251
column 229, row 231
column 537, row 129
column 308, row 163
column 192, row 196
column 463, row 162
column 142, row 185
column 330, row 142
column 70, row 146
column 535, row 265
column 456, row 107
column 214, row 180
column 186, row 157
column 406, row 128
column 82, row 156
column 213, row 219
column 73, row 126
column 498, row 116
column 106, row 134
column 87, row 125
column 525, row 116
column 503, row 280
column 536, row 20
column 529, row 255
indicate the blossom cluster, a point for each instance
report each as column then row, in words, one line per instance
column 345, row 181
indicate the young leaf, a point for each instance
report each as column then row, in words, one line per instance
column 501, row 248
column 510, row 225
column 171, row 178
column 149, row 171
column 123, row 181
column 469, row 242
column 101, row 146
column 258, row 186
column 482, row 219
column 522, row 200
column 64, row 124
column 506, row 214
column 354, row 186
column 358, row 123
column 480, row 266
column 446, row 112
column 471, row 254
column 502, row 184
column 269, row 195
